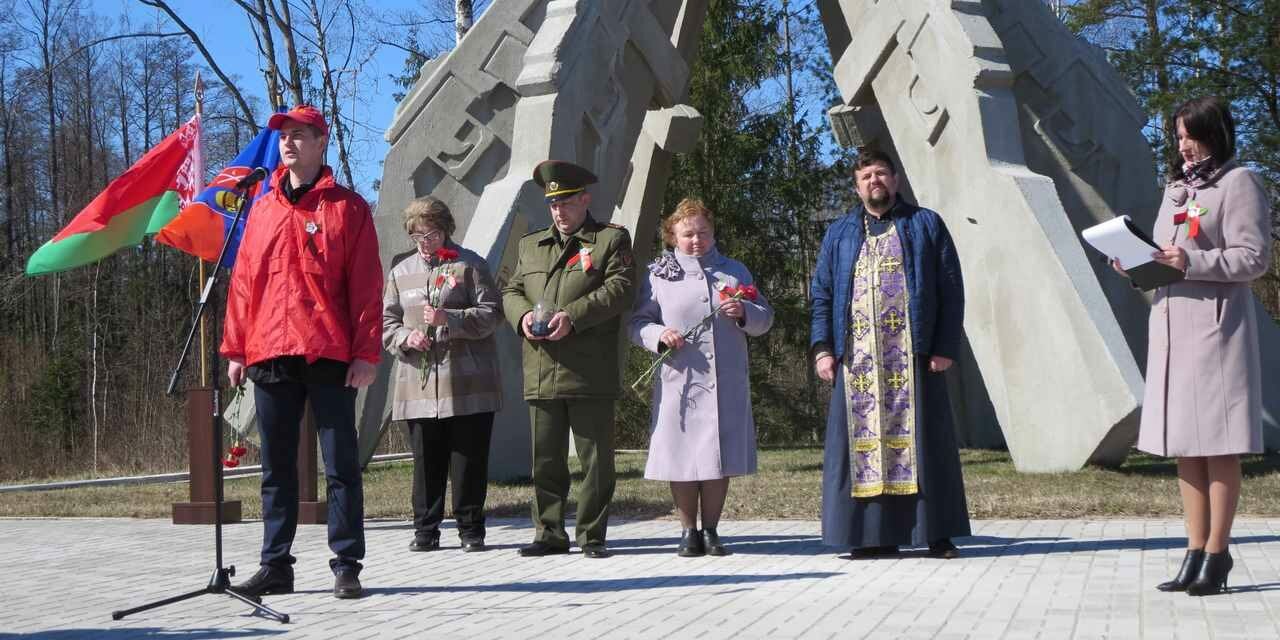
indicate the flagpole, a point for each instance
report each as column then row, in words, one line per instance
column 204, row 327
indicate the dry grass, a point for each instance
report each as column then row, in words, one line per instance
column 788, row 486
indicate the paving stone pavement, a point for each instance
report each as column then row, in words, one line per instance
column 1017, row 579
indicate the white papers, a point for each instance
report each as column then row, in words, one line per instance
column 1118, row 238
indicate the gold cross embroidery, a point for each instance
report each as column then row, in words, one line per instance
column 896, row 380
column 862, row 382
column 890, row 264
column 860, row 325
column 892, row 320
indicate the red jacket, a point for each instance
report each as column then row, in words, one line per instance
column 307, row 280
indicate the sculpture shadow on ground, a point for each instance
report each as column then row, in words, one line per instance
column 798, row 545
column 995, row 546
column 587, row 587
column 143, row 632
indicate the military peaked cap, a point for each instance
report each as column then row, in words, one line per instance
column 560, row 179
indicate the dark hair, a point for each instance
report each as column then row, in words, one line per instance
column 1207, row 121
column 869, row 157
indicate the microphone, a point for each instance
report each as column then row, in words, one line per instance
column 253, row 178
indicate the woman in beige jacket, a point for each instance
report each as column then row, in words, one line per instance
column 1204, row 380
column 439, row 310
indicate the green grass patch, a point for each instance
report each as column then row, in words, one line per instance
column 788, row 486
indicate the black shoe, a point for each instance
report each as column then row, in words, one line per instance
column 943, row 549
column 595, row 550
column 268, row 581
column 711, row 541
column 1188, row 572
column 471, row 545
column 429, row 541
column 346, row 583
column 691, row 545
column 1212, row 578
column 873, row 552
column 538, row 549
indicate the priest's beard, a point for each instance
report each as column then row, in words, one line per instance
column 880, row 202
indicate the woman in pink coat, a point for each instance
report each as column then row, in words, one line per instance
column 701, row 432
column 1203, row 402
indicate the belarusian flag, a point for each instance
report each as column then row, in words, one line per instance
column 138, row 203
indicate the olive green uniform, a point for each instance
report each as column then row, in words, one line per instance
column 572, row 384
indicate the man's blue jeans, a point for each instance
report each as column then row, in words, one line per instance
column 279, row 408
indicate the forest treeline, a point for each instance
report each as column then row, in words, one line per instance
column 85, row 354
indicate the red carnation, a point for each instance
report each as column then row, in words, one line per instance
column 238, row 451
column 230, row 462
column 445, row 253
column 749, row 292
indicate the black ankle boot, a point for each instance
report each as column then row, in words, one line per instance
column 1212, row 578
column 1188, row 572
column 691, row 544
column 711, row 542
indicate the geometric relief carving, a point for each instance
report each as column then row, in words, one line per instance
column 950, row 64
column 920, row 92
column 465, row 137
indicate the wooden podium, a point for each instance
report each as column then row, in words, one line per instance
column 200, row 461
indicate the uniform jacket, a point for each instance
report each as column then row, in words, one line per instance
column 1204, row 374
column 463, row 372
column 701, row 426
column 934, row 281
column 585, row 363
column 307, row 279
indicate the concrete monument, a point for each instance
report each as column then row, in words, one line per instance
column 1058, row 342
column 595, row 82
column 1018, row 132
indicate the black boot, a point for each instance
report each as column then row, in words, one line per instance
column 711, row 542
column 691, row 544
column 1212, row 578
column 1188, row 572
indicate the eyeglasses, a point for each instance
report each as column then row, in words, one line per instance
column 426, row 237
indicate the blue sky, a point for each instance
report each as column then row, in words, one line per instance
column 224, row 30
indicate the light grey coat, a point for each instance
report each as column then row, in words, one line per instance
column 1204, row 375
column 701, row 426
column 464, row 375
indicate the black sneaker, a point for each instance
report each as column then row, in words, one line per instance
column 346, row 583
column 268, row 581
column 944, row 549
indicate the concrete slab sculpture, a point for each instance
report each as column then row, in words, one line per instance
column 1058, row 342
column 596, row 82
column 930, row 82
column 1018, row 132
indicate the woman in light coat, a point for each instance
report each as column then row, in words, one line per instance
column 440, row 308
column 1203, row 401
column 701, row 431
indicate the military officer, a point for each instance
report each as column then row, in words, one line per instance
column 577, row 274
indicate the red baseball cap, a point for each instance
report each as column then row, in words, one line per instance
column 304, row 113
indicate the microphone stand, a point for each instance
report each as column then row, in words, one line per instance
column 220, row 582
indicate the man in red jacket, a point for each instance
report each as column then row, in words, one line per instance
column 304, row 322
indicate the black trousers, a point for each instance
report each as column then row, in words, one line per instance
column 279, row 407
column 456, row 449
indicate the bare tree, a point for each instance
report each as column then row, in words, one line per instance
column 464, row 16
column 280, row 13
column 208, row 57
